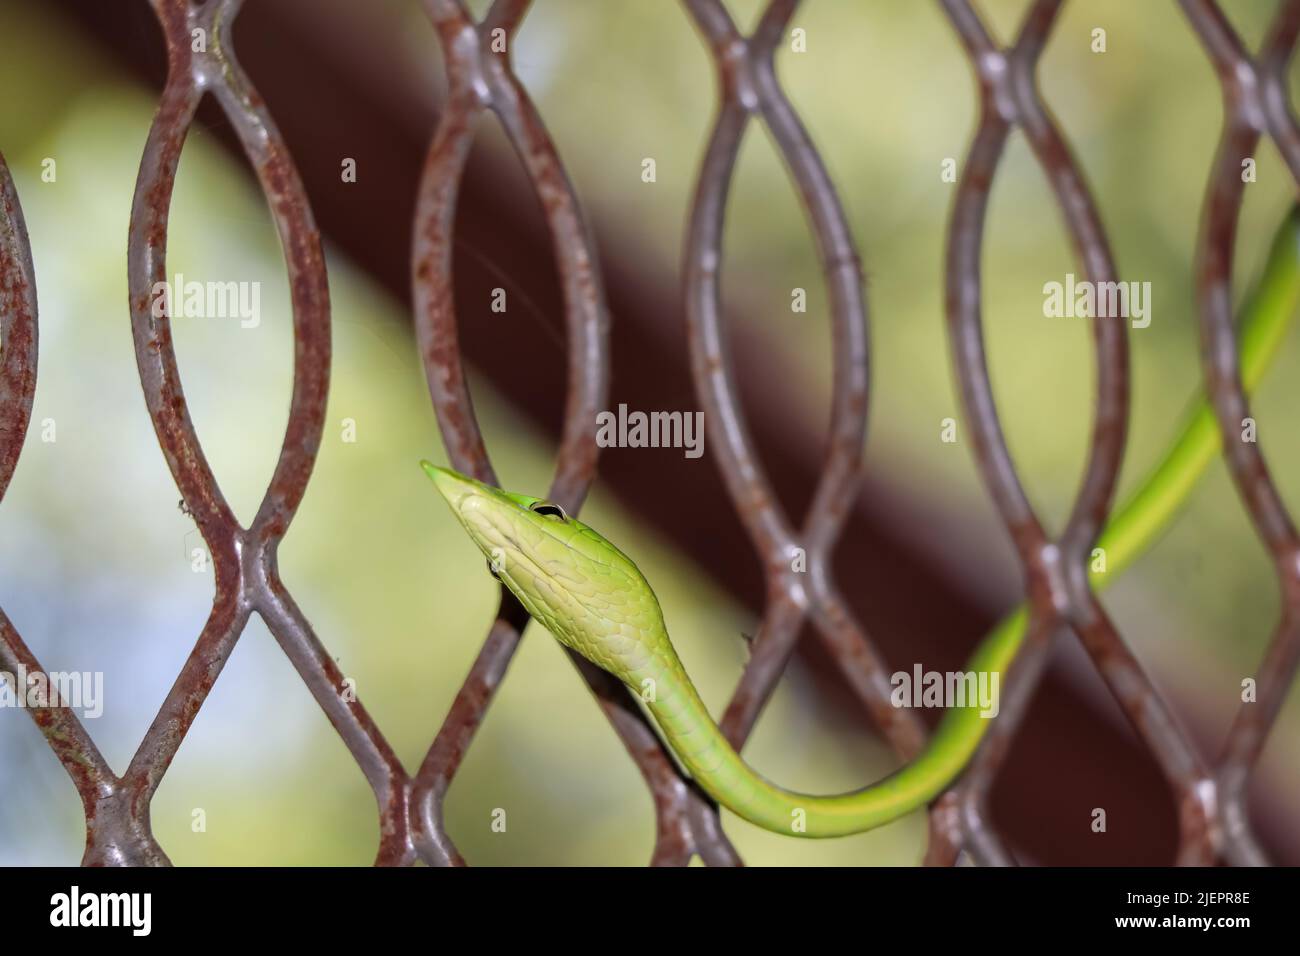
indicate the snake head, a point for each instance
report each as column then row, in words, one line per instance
column 581, row 588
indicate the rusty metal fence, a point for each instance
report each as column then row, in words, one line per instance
column 1211, row 795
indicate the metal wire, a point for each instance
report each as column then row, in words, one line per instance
column 1213, row 822
column 1056, row 579
column 1255, row 102
column 481, row 79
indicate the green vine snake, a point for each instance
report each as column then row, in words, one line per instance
column 594, row 600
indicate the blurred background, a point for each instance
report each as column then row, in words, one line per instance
column 96, row 559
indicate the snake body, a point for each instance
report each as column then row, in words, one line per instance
column 595, row 600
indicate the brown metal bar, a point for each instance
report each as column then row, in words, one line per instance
column 748, row 86
column 247, row 577
column 480, row 79
column 1055, row 568
column 18, row 348
column 1255, row 103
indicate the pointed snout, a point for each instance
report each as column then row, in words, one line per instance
column 452, row 485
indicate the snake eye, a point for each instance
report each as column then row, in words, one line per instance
column 548, row 509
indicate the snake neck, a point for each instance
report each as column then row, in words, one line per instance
column 663, row 685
